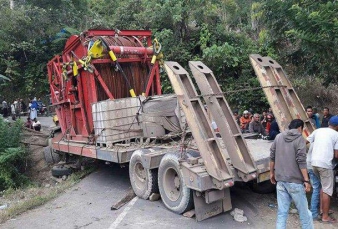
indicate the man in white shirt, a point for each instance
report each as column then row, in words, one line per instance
column 324, row 143
column 36, row 125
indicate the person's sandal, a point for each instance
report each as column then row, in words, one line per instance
column 330, row 221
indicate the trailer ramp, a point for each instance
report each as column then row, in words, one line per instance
column 281, row 96
column 210, row 199
column 221, row 113
column 215, row 156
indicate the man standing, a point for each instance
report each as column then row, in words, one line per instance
column 245, row 120
column 326, row 117
column 288, row 169
column 4, row 109
column 274, row 130
column 255, row 126
column 236, row 117
column 312, row 118
column 33, row 109
column 324, row 143
column 316, row 187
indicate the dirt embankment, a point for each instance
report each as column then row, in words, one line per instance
column 37, row 168
column 43, row 186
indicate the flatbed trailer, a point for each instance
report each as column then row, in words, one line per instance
column 166, row 139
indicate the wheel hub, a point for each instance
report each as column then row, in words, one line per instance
column 172, row 184
column 140, row 175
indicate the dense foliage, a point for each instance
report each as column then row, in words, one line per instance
column 301, row 35
column 305, row 34
column 12, row 156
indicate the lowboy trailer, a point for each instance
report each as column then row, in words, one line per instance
column 107, row 94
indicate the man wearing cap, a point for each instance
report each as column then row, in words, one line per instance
column 245, row 120
column 324, row 144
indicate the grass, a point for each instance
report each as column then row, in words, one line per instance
column 39, row 195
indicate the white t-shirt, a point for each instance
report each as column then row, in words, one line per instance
column 37, row 123
column 325, row 141
column 309, row 156
column 214, row 125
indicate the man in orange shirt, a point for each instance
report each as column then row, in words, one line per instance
column 245, row 120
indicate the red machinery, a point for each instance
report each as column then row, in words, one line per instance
column 99, row 65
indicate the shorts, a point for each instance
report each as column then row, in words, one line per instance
column 326, row 179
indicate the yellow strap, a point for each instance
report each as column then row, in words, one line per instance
column 132, row 93
column 82, row 62
column 112, row 55
column 75, row 69
column 153, row 59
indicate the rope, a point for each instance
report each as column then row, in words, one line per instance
column 240, row 90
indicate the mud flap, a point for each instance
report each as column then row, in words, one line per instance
column 211, row 203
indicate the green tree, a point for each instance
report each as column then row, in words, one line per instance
column 305, row 35
column 12, row 156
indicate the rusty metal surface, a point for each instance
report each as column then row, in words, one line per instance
column 281, row 96
column 203, row 210
column 99, row 79
column 196, row 177
column 136, row 72
column 152, row 158
column 214, row 195
column 260, row 151
column 215, row 157
column 221, row 113
column 227, row 205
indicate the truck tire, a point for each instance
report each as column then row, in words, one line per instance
column 50, row 156
column 60, row 170
column 175, row 195
column 264, row 187
column 143, row 181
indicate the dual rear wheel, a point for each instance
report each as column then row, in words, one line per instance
column 167, row 180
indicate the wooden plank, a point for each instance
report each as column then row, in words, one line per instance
column 125, row 199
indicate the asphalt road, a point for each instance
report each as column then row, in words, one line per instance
column 87, row 205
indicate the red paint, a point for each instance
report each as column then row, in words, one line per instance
column 73, row 97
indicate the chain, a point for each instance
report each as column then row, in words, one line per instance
column 239, row 90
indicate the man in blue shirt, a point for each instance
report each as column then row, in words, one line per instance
column 312, row 118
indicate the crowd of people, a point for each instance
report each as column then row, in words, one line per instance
column 266, row 125
column 296, row 168
column 299, row 165
column 263, row 124
column 19, row 108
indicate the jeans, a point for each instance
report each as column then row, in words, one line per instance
column 315, row 197
column 286, row 192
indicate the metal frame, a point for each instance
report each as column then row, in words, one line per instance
column 216, row 157
column 221, row 113
column 72, row 95
column 281, row 96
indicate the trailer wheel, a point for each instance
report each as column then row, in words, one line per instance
column 60, row 170
column 264, row 187
column 143, row 181
column 175, row 195
column 50, row 156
